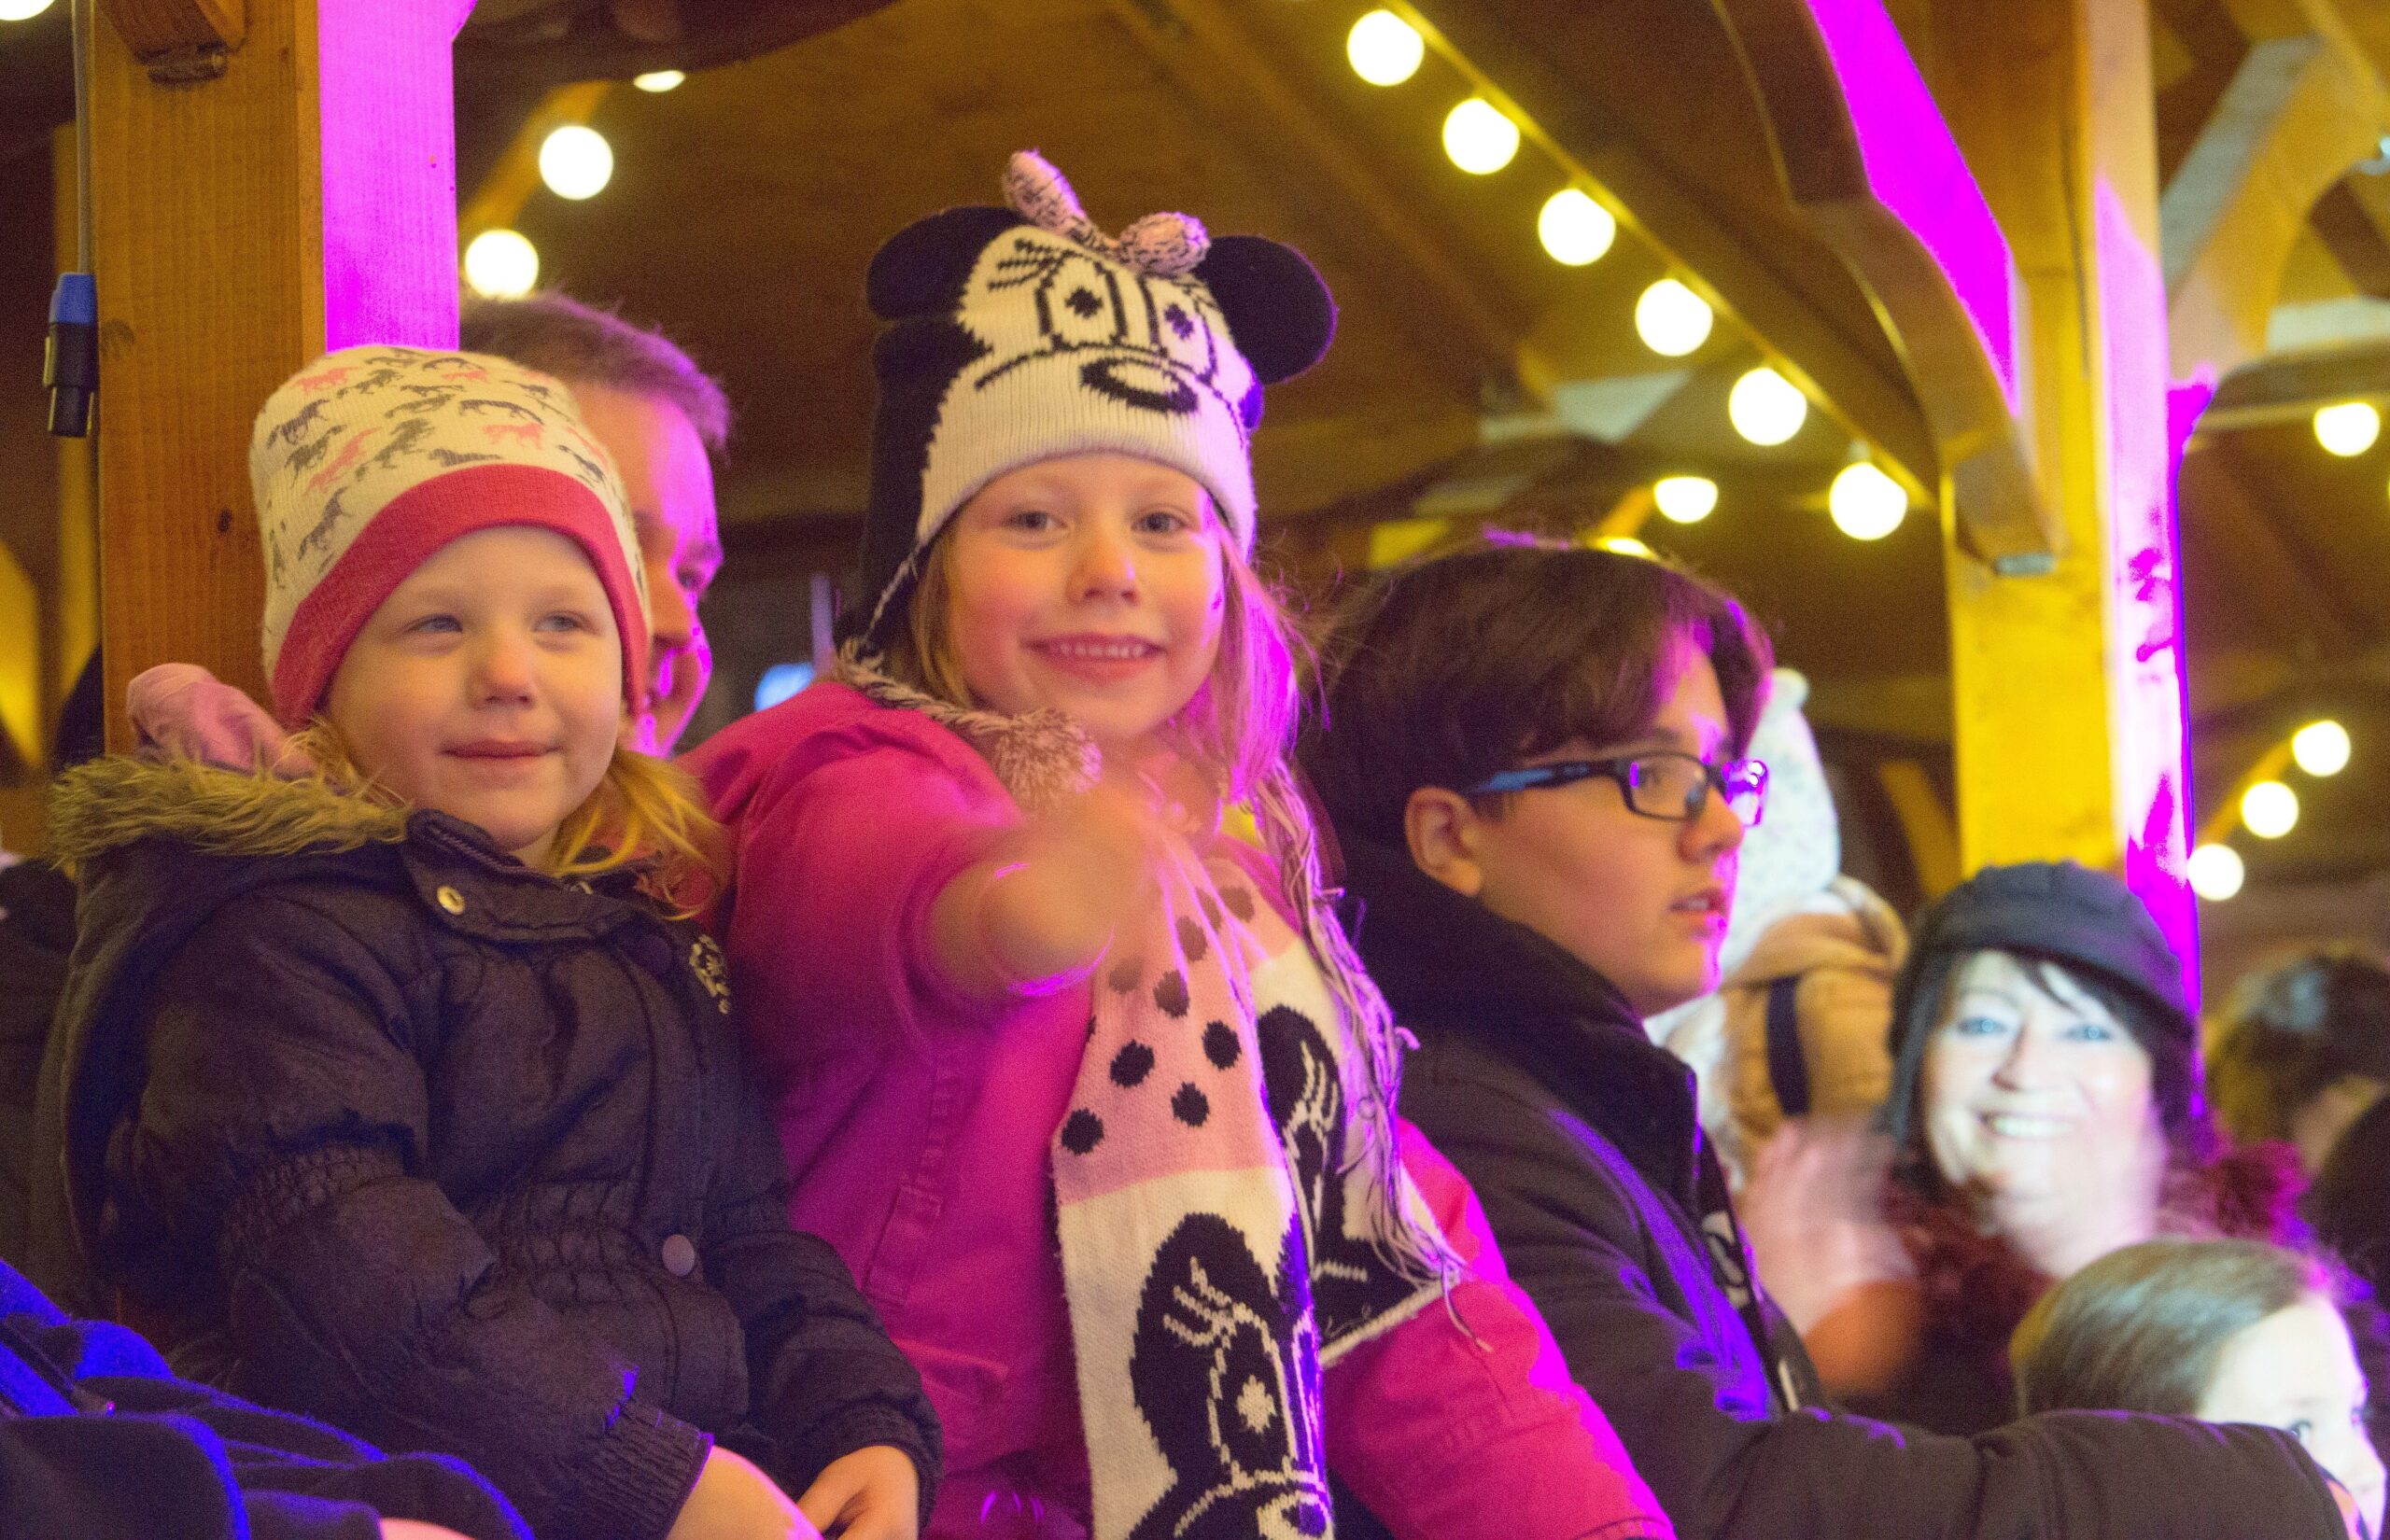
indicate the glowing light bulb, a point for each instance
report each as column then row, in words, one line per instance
column 1383, row 48
column 1766, row 408
column 658, row 80
column 2321, row 748
column 576, row 161
column 500, row 264
column 1480, row 140
column 1574, row 229
column 1672, row 319
column 1685, row 499
column 1626, row 545
column 2347, row 428
column 1867, row 505
column 2270, row 809
column 2216, row 872
column 23, row 10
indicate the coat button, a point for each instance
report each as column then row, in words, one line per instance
column 680, row 1255
column 450, row 899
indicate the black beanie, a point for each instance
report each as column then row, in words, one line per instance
column 2085, row 921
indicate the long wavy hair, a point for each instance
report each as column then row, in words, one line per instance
column 1240, row 728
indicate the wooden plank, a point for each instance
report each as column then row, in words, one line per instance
column 305, row 200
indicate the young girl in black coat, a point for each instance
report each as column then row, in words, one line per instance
column 403, row 1094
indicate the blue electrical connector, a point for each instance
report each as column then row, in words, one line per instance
column 70, row 367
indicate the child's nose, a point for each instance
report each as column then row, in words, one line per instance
column 1106, row 567
column 502, row 668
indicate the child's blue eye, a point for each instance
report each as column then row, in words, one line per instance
column 2301, row 1430
column 1979, row 1027
column 1036, row 520
column 1162, row 521
column 2092, row 1031
column 446, row 624
column 564, row 621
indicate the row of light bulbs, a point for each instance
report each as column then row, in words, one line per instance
column 576, row 163
column 1672, row 320
column 2270, row 809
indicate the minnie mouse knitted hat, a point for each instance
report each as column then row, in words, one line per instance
column 368, row 460
column 1024, row 333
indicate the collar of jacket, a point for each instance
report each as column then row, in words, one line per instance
column 1448, row 964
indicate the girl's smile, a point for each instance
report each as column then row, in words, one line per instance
column 1092, row 585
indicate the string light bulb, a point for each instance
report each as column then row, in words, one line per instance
column 2347, row 428
column 1480, row 140
column 23, row 10
column 1866, row 504
column 2216, row 872
column 1766, row 408
column 1626, row 545
column 2270, row 809
column 501, row 264
column 2321, row 748
column 1574, row 229
column 576, row 161
column 658, row 80
column 1685, row 499
column 1383, row 48
column 1672, row 319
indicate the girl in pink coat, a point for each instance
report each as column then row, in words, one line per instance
column 1093, row 1096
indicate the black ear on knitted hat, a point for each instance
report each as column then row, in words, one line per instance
column 1278, row 306
column 923, row 266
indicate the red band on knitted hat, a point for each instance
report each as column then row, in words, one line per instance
column 410, row 528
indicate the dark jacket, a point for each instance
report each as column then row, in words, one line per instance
column 1581, row 1138
column 36, row 931
column 368, row 1121
column 97, row 1438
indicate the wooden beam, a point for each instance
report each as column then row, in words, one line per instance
column 2297, row 116
column 2289, row 387
column 305, row 200
column 2067, row 687
column 1863, row 154
column 1567, row 110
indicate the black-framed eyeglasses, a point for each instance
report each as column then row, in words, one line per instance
column 1658, row 784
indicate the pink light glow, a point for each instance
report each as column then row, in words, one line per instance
column 390, row 172
column 1915, row 171
column 2148, row 424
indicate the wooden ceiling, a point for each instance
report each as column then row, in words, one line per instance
column 1472, row 375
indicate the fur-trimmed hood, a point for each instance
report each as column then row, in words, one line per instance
column 117, row 801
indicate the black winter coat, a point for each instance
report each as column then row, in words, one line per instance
column 452, row 1155
column 37, row 932
column 1580, row 1136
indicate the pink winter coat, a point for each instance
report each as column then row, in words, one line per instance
column 918, row 1125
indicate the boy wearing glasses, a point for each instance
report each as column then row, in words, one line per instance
column 1534, row 760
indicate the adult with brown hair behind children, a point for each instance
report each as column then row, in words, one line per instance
column 1533, row 759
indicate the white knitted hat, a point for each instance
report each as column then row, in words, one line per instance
column 371, row 458
column 1024, row 333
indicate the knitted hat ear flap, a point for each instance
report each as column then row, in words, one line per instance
column 916, row 282
column 1276, row 303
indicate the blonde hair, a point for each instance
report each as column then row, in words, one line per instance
column 643, row 812
column 1240, row 725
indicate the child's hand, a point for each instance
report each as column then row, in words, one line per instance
column 871, row 1494
column 187, row 713
column 1046, row 909
column 734, row 1501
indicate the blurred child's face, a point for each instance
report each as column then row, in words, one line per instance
column 488, row 686
column 1093, row 584
column 2033, row 1089
column 2296, row 1370
column 667, row 480
column 1640, row 901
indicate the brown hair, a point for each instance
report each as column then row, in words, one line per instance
column 2141, row 1328
column 1446, row 671
column 2291, row 1029
column 581, row 344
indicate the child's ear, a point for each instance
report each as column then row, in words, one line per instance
column 1278, row 306
column 1438, row 825
column 923, row 266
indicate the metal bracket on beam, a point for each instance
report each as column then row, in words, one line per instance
column 2025, row 564
column 180, row 42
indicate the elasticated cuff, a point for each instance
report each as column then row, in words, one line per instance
column 860, row 1427
column 642, row 1475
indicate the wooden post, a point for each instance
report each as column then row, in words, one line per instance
column 305, row 198
column 2068, row 684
